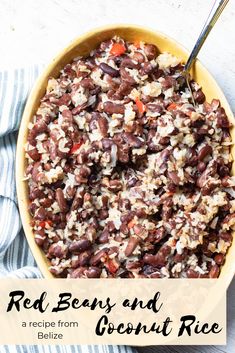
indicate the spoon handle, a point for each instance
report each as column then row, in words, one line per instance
column 215, row 13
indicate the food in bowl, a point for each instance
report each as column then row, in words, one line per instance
column 128, row 177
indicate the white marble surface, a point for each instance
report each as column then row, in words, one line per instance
column 34, row 31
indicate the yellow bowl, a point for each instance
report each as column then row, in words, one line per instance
column 82, row 46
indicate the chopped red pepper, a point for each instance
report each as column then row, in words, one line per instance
column 75, row 147
column 131, row 224
column 173, row 106
column 117, row 49
column 112, row 266
column 141, row 107
column 43, row 224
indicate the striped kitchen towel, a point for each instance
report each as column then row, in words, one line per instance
column 16, row 259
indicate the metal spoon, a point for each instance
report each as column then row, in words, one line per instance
column 215, row 13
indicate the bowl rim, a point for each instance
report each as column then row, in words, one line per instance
column 28, row 112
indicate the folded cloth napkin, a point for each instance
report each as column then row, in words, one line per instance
column 16, row 259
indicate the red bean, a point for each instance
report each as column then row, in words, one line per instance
column 55, row 250
column 84, row 171
column 129, row 63
column 115, row 185
column 126, row 77
column 78, row 272
column 34, row 154
column 84, row 258
column 87, row 83
column 40, row 237
column 201, row 167
column 214, row 271
column 199, row 96
column 80, row 245
column 91, row 232
column 61, row 200
column 109, row 70
column 95, row 259
column 36, row 194
column 219, row 259
column 174, row 177
column 204, row 152
column 192, row 274
column 103, row 125
column 150, row 51
column 41, row 214
column 139, row 57
column 132, row 244
column 46, row 202
column 226, row 236
column 113, row 108
column 104, row 237
column 132, row 140
column 146, row 69
column 123, row 90
column 93, row 272
column 222, row 119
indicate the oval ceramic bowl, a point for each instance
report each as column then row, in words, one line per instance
column 82, row 46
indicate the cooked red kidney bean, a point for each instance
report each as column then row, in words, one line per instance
column 41, row 214
column 132, row 244
column 87, row 83
column 36, row 193
column 56, row 250
column 219, row 259
column 222, row 119
column 199, row 96
column 204, row 152
column 98, row 257
column 174, row 177
column 223, row 170
column 209, row 171
column 46, row 202
column 103, row 125
column 104, row 237
column 126, row 76
column 80, row 245
column 84, row 258
column 129, row 63
column 107, row 143
column 139, row 57
column 115, row 185
column 78, row 272
column 93, row 272
column 37, row 129
column 192, row 274
column 40, row 237
column 201, row 167
column 123, row 90
column 109, row 70
column 132, row 140
column 113, row 108
column 34, row 154
column 61, row 200
column 214, row 271
column 226, row 236
column 150, row 51
column 146, row 69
